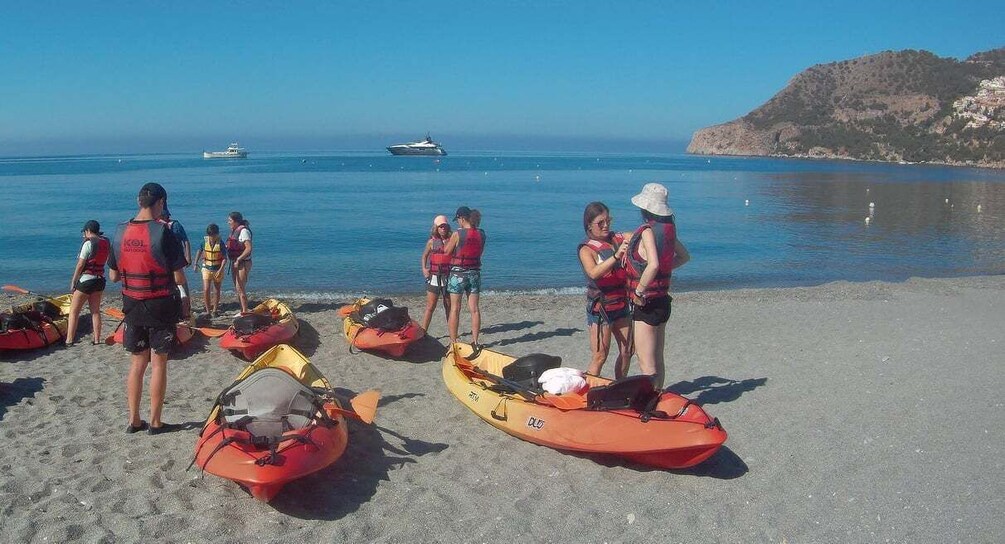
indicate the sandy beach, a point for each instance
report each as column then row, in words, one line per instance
column 857, row 412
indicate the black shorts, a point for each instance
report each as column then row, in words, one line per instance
column 139, row 338
column 656, row 311
column 93, row 285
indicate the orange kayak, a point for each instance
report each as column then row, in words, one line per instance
column 672, row 432
column 393, row 343
column 278, row 422
column 44, row 332
column 283, row 326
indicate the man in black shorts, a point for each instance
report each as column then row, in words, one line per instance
column 150, row 261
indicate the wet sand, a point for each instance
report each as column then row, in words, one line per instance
column 865, row 412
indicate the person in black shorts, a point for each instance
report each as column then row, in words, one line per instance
column 150, row 261
column 653, row 253
column 88, row 281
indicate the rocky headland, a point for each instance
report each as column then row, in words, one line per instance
column 904, row 106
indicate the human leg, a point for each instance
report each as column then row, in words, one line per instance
column 241, row 284
column 134, row 385
column 660, row 376
column 600, row 345
column 94, row 303
column 455, row 316
column 76, row 303
column 206, row 294
column 431, row 297
column 645, row 347
column 476, row 317
column 158, row 386
column 620, row 332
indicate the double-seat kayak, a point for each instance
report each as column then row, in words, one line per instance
column 627, row 418
column 278, row 422
column 35, row 324
column 378, row 325
column 269, row 324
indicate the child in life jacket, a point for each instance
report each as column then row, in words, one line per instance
column 213, row 254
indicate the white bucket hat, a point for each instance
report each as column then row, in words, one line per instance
column 653, row 199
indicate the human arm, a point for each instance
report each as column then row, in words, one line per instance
column 195, row 263
column 425, row 258
column 648, row 246
column 595, row 270
column 452, row 243
column 681, row 255
column 77, row 271
column 244, row 254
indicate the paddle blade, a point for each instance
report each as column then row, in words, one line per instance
column 114, row 312
column 365, row 405
column 346, row 310
column 16, row 289
column 110, row 340
column 212, row 333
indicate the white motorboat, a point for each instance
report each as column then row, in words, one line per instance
column 422, row 147
column 233, row 151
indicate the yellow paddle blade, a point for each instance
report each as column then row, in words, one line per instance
column 365, row 405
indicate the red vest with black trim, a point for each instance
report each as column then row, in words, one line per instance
column 141, row 261
column 95, row 264
column 468, row 253
column 439, row 261
column 608, row 290
column 234, row 246
column 666, row 237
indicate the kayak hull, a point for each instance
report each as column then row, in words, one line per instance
column 252, row 345
column 683, row 441
column 46, row 335
column 238, row 462
column 393, row 343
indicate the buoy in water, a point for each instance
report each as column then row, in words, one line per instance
column 746, row 202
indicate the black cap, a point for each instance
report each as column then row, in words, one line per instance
column 155, row 190
column 92, row 226
column 463, row 211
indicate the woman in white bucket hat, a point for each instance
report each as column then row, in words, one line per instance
column 653, row 252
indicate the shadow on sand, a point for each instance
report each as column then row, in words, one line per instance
column 18, row 390
column 723, row 465
column 533, row 337
column 350, row 482
column 713, row 389
column 307, row 340
column 506, row 327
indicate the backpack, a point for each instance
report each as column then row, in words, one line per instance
column 47, row 309
column 248, row 324
column 382, row 314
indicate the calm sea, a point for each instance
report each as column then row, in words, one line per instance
column 328, row 225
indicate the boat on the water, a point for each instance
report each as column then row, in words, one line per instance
column 233, row 151
column 422, row 147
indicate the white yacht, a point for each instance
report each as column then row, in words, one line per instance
column 233, row 151
column 422, row 147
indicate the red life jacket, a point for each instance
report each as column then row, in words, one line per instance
column 608, row 290
column 95, row 265
column 141, row 261
column 468, row 253
column 234, row 246
column 666, row 236
column 439, row 262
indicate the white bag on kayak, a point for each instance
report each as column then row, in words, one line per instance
column 562, row 380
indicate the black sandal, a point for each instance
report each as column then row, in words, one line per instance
column 141, row 427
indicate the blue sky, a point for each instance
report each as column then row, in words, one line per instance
column 139, row 76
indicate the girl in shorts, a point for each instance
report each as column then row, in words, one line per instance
column 653, row 253
column 88, row 282
column 436, row 268
column 606, row 295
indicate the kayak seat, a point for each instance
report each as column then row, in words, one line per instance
column 269, row 403
column 527, row 369
column 634, row 392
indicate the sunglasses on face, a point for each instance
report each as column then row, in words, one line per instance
column 603, row 222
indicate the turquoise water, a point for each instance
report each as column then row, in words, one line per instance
column 327, row 225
